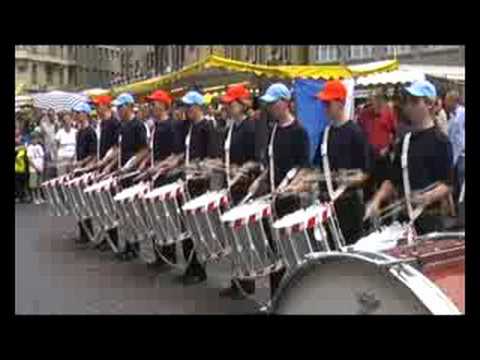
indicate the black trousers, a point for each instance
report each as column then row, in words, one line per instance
column 195, row 188
column 350, row 212
column 83, row 235
column 20, row 186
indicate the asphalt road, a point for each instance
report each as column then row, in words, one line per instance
column 55, row 276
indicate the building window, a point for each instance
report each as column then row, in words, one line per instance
column 34, row 74
column 49, row 74
column 22, row 67
column 356, row 52
column 61, row 77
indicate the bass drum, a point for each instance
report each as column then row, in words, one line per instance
column 359, row 284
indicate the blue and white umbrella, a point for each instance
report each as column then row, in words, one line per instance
column 58, row 100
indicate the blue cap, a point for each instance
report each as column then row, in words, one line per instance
column 276, row 92
column 422, row 88
column 123, row 99
column 193, row 98
column 82, row 107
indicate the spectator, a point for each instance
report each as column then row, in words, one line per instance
column 48, row 127
column 36, row 166
column 143, row 114
column 378, row 123
column 210, row 115
column 21, row 166
column 66, row 139
column 440, row 117
column 456, row 134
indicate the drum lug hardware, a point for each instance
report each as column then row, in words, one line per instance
column 390, row 264
column 368, row 302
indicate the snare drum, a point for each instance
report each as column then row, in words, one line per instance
column 57, row 196
column 163, row 213
column 100, row 198
column 130, row 211
column 301, row 233
column 79, row 205
column 252, row 252
column 442, row 261
column 333, row 283
column 202, row 218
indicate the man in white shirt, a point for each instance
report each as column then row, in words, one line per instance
column 456, row 134
column 66, row 139
column 36, row 159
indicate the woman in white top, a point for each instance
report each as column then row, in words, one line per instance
column 66, row 139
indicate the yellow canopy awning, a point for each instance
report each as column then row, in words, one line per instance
column 281, row 71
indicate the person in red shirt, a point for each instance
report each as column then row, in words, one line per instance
column 379, row 124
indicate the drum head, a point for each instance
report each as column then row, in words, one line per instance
column 245, row 211
column 130, row 192
column 161, row 191
column 204, row 200
column 341, row 285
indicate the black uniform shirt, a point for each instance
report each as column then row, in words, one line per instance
column 242, row 145
column 430, row 159
column 163, row 139
column 134, row 138
column 180, row 129
column 201, row 140
column 348, row 148
column 291, row 148
column 86, row 143
column 109, row 131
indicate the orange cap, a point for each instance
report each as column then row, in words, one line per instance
column 333, row 90
column 102, row 100
column 236, row 92
column 160, row 96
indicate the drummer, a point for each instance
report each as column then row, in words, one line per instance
column 109, row 129
column 133, row 146
column 86, row 151
column 197, row 135
column 163, row 145
column 240, row 145
column 430, row 160
column 347, row 149
column 290, row 150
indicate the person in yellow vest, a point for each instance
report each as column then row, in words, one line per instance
column 21, row 168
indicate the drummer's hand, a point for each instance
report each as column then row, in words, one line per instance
column 422, row 200
column 372, row 210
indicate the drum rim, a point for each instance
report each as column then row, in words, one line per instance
column 156, row 191
column 211, row 196
column 261, row 204
column 427, row 292
column 122, row 195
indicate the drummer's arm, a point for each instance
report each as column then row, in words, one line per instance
column 386, row 191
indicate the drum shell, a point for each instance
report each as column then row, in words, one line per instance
column 342, row 283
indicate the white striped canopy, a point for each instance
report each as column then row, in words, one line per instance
column 58, row 100
column 22, row 101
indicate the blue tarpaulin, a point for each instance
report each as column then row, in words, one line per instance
column 311, row 113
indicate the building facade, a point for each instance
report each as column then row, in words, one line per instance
column 406, row 54
column 71, row 68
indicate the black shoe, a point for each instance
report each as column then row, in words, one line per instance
column 194, row 279
column 235, row 293
column 81, row 241
column 102, row 247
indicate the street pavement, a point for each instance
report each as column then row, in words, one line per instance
column 53, row 275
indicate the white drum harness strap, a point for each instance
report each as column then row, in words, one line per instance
column 187, row 148
column 271, row 158
column 228, row 142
